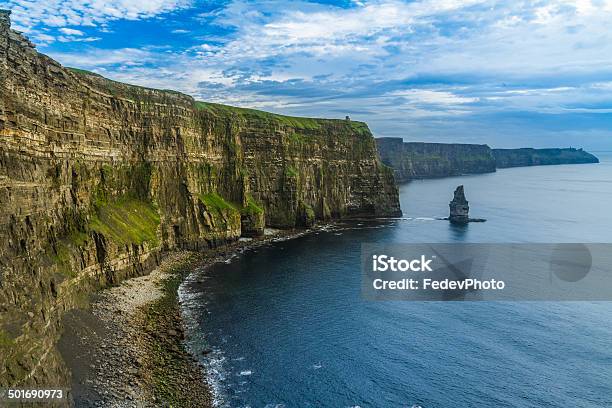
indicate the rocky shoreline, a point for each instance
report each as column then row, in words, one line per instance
column 127, row 349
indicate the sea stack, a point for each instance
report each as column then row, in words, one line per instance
column 459, row 208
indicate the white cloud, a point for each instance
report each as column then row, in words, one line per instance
column 42, row 39
column 60, row 13
column 434, row 97
column 100, row 58
column 396, row 39
column 71, row 31
column 64, row 39
column 328, row 31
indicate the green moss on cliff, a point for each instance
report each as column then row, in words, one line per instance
column 360, row 128
column 310, row 214
column 61, row 258
column 214, row 201
column 66, row 250
column 224, row 215
column 251, row 207
column 78, row 238
column 291, row 171
column 5, row 340
column 307, row 215
column 126, row 221
column 297, row 138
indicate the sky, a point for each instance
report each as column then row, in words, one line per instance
column 509, row 74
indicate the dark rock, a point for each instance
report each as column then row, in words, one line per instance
column 459, row 208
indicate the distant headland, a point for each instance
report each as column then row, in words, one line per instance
column 419, row 160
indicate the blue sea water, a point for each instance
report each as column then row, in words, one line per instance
column 288, row 326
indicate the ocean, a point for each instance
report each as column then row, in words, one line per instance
column 288, row 327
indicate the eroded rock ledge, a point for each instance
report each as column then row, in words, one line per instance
column 98, row 179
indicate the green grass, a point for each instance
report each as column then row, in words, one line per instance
column 126, row 221
column 62, row 258
column 251, row 207
column 291, row 171
column 360, row 128
column 67, row 249
column 5, row 340
column 293, row 121
column 310, row 214
column 214, row 201
column 297, row 138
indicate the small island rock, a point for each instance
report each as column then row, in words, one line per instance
column 459, row 208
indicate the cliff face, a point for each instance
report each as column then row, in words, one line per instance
column 98, row 178
column 416, row 160
column 541, row 157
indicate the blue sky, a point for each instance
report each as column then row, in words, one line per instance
column 510, row 74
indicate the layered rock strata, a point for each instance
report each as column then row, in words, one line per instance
column 98, row 179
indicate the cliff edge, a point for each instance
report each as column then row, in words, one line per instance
column 98, row 179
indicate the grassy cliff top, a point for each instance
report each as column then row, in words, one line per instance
column 293, row 121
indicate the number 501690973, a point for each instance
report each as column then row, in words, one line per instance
column 23, row 394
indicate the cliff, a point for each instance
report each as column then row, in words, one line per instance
column 98, row 179
column 416, row 160
column 541, row 157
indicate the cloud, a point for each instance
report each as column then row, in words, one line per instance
column 59, row 13
column 93, row 58
column 42, row 39
column 180, row 31
column 64, row 39
column 433, row 97
column 71, row 31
